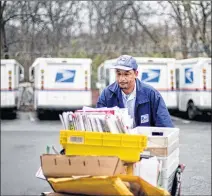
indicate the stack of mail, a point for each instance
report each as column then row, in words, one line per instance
column 113, row 120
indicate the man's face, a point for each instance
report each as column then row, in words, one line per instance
column 126, row 79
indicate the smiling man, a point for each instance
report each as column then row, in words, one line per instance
column 145, row 104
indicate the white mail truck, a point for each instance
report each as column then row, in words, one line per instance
column 12, row 73
column 157, row 72
column 194, row 86
column 61, row 84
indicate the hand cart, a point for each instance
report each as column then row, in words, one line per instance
column 175, row 190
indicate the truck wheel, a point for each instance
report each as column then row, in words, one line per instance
column 191, row 111
column 14, row 114
column 40, row 115
column 11, row 114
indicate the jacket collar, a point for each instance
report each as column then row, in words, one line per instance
column 141, row 96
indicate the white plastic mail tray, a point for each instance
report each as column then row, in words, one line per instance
column 167, row 172
column 167, row 175
column 162, row 151
column 169, row 135
column 173, row 157
column 167, row 183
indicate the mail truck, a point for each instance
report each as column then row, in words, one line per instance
column 61, row 84
column 12, row 73
column 193, row 78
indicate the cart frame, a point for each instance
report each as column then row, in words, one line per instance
column 176, row 186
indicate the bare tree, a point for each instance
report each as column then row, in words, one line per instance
column 121, row 23
column 37, row 28
column 8, row 11
column 193, row 19
column 180, row 17
column 61, row 16
column 205, row 23
column 198, row 14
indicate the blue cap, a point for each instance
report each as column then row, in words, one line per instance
column 125, row 62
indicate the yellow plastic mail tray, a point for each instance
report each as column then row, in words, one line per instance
column 125, row 146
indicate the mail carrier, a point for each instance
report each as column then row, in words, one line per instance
column 157, row 72
column 61, row 83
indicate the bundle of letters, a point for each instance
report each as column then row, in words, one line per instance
column 113, row 120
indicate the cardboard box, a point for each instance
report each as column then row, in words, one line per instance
column 66, row 166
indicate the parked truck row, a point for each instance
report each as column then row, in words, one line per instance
column 65, row 83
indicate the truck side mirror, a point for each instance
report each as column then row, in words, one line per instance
column 31, row 74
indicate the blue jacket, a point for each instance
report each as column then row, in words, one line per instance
column 150, row 109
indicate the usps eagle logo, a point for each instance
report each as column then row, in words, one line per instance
column 189, row 76
column 123, row 58
column 145, row 118
column 151, row 75
column 65, row 76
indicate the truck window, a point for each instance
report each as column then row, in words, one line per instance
column 32, row 73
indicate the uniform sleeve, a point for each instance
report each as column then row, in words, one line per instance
column 102, row 100
column 161, row 116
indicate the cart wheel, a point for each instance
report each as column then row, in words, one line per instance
column 178, row 191
column 44, row 193
column 40, row 114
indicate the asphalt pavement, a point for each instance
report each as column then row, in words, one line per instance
column 23, row 140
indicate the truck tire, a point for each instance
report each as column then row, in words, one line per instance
column 191, row 111
column 14, row 115
column 9, row 114
column 40, row 114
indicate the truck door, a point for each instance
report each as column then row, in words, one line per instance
column 156, row 75
column 208, row 76
column 4, row 84
column 67, row 83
